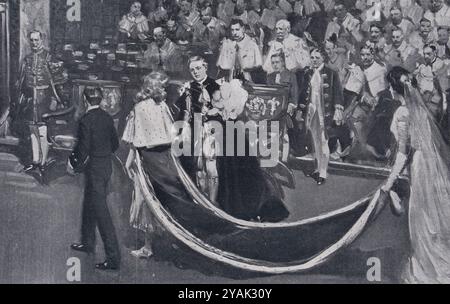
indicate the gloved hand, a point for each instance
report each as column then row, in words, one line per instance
column 339, row 115
column 291, row 109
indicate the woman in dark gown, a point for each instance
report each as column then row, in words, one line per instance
column 244, row 191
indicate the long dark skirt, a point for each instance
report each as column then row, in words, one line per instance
column 170, row 191
column 245, row 192
column 380, row 136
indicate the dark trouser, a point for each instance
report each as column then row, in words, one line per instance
column 341, row 133
column 95, row 209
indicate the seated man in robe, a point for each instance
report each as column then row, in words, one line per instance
column 424, row 35
column 225, row 11
column 398, row 20
column 400, row 52
column 162, row 54
column 295, row 49
column 438, row 13
column 188, row 18
column 443, row 43
column 134, row 25
column 177, row 33
column 271, row 15
column 282, row 76
column 210, row 31
column 240, row 57
column 346, row 27
column 159, row 16
column 432, row 78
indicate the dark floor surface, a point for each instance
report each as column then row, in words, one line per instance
column 38, row 223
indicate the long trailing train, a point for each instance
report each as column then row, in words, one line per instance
column 270, row 248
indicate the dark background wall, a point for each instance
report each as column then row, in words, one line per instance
column 98, row 18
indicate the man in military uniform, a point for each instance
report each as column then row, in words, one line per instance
column 38, row 77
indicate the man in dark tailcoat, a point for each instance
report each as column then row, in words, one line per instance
column 97, row 141
column 323, row 103
column 281, row 76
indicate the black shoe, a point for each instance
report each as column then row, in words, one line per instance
column 47, row 164
column 43, row 169
column 107, row 266
column 320, row 181
column 313, row 175
column 81, row 247
column 30, row 167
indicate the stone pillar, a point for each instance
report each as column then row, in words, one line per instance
column 34, row 15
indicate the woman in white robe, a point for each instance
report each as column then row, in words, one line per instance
column 421, row 148
column 149, row 125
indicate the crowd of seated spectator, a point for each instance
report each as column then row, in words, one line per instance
column 273, row 39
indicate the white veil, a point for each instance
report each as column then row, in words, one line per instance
column 429, row 211
column 424, row 130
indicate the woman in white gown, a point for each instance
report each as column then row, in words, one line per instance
column 149, row 126
column 422, row 148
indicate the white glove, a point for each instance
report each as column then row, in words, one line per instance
column 70, row 169
column 186, row 134
column 339, row 115
column 291, row 108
